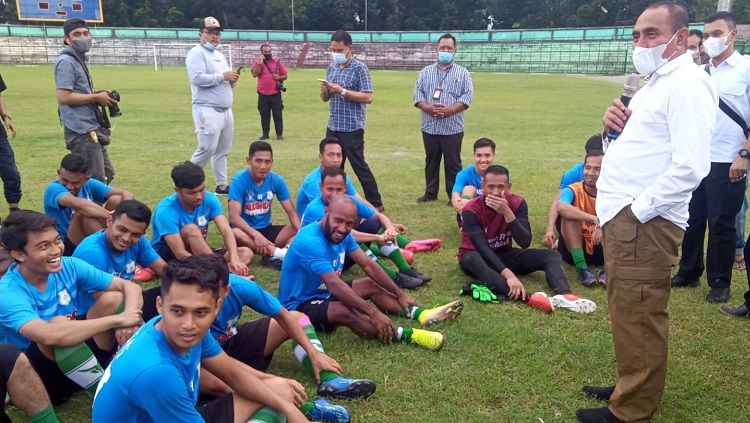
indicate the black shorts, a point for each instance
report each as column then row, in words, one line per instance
column 149, row 303
column 220, row 410
column 249, row 344
column 69, row 247
column 167, row 255
column 8, row 356
column 272, row 232
column 596, row 259
column 317, row 311
column 59, row 387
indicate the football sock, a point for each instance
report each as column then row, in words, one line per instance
column 45, row 416
column 415, row 313
column 403, row 334
column 279, row 253
column 79, row 365
column 579, row 258
column 390, row 272
column 301, row 354
column 267, row 415
column 306, row 408
column 392, row 251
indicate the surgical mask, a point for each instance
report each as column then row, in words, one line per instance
column 649, row 60
column 338, row 58
column 267, row 56
column 444, row 57
column 81, row 45
column 714, row 46
column 210, row 46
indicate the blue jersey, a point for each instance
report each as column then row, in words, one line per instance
column 170, row 217
column 310, row 256
column 256, row 199
column 243, row 292
column 22, row 302
column 96, row 251
column 317, row 209
column 310, row 189
column 92, row 190
column 468, row 176
column 572, row 175
column 149, row 382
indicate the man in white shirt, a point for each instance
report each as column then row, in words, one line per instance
column 718, row 198
column 648, row 175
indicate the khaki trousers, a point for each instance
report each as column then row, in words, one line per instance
column 639, row 258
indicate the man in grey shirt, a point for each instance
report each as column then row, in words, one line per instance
column 211, row 84
column 86, row 130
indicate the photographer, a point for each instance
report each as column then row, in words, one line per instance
column 86, row 127
column 271, row 74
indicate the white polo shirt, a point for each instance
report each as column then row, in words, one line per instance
column 664, row 150
column 732, row 78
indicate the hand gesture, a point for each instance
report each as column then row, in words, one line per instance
column 321, row 361
column 384, row 326
column 298, row 390
column 123, row 334
column 548, row 240
column 596, row 236
column 102, row 98
column 616, row 115
column 231, row 76
column 517, row 291
column 499, row 204
column 11, row 127
column 128, row 319
column 335, row 88
column 237, row 267
column 738, row 169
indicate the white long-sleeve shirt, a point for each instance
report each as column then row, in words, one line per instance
column 664, row 150
column 206, row 72
column 732, row 79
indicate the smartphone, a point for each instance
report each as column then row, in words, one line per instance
column 239, row 69
column 323, row 80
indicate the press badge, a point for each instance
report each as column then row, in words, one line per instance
column 436, row 94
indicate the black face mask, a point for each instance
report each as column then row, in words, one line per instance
column 267, row 56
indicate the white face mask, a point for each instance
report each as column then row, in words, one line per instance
column 715, row 46
column 649, row 60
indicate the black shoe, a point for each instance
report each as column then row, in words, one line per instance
column 739, row 311
column 414, row 274
column 596, row 415
column 718, row 295
column 602, row 393
column 407, row 282
column 221, row 191
column 380, row 208
column 280, row 137
column 683, row 282
column 425, row 199
column 587, row 277
column 262, row 137
column 272, row 262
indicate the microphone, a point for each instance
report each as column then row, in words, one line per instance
column 628, row 91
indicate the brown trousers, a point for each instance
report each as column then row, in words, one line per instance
column 639, row 258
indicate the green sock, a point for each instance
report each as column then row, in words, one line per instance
column 415, row 312
column 375, row 248
column 401, row 240
column 391, row 274
column 79, row 365
column 306, row 408
column 579, row 258
column 398, row 259
column 45, row 416
column 301, row 354
column 267, row 415
column 403, row 334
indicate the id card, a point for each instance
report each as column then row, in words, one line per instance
column 436, row 94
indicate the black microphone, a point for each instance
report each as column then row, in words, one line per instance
column 628, row 91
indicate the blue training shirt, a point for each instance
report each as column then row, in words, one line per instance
column 243, row 292
column 149, row 382
column 468, row 176
column 92, row 190
column 256, row 199
column 310, row 256
column 22, row 302
column 317, row 209
column 572, row 175
column 310, row 189
column 96, row 251
column 567, row 196
column 170, row 217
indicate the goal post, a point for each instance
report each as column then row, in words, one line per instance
column 174, row 53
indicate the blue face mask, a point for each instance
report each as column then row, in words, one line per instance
column 209, row 46
column 338, row 58
column 445, row 57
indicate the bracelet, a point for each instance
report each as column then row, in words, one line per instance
column 343, row 92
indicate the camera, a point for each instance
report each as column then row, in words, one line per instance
column 280, row 86
column 114, row 110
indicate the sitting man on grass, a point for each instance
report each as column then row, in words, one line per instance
column 41, row 314
column 311, row 284
column 22, row 385
column 73, row 200
column 180, row 224
column 333, row 183
column 469, row 180
column 251, row 194
column 580, row 234
column 491, row 222
column 155, row 377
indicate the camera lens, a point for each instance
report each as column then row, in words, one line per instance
column 114, row 110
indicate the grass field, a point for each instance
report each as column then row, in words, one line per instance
column 500, row 363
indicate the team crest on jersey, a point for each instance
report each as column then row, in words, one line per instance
column 259, row 197
column 202, row 221
column 63, row 297
column 130, row 267
column 269, row 195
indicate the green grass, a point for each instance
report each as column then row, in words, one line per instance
column 500, row 363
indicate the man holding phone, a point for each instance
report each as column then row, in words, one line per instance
column 271, row 74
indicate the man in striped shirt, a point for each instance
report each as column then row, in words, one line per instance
column 443, row 91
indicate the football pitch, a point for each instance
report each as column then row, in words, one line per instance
column 500, row 362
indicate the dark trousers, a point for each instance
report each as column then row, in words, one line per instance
column 747, row 254
column 520, row 261
column 715, row 203
column 447, row 147
column 9, row 172
column 353, row 144
column 266, row 105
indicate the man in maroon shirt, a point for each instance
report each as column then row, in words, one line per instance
column 491, row 222
column 271, row 74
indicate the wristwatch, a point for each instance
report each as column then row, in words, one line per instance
column 343, row 92
column 744, row 153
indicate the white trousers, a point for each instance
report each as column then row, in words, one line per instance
column 215, row 131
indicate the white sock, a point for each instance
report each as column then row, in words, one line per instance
column 279, row 253
column 388, row 248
